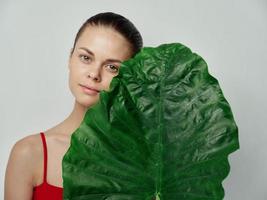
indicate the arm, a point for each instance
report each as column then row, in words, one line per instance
column 19, row 172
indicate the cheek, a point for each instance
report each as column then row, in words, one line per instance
column 106, row 82
column 73, row 80
column 71, row 84
column 72, row 76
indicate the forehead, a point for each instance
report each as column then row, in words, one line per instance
column 104, row 42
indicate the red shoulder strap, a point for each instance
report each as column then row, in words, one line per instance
column 45, row 155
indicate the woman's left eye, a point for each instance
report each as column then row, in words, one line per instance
column 113, row 68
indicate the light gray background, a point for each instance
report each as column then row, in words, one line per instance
column 36, row 37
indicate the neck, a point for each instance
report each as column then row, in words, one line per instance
column 73, row 121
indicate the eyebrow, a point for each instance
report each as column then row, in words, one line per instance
column 91, row 53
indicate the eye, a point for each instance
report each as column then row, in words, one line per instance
column 113, row 68
column 84, row 58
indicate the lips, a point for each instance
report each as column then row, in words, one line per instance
column 88, row 87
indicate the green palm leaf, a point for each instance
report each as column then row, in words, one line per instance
column 163, row 131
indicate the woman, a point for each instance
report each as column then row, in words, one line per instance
column 101, row 44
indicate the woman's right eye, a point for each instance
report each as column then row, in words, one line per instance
column 84, row 58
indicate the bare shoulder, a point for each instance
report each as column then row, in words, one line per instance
column 25, row 152
column 26, row 147
column 22, row 163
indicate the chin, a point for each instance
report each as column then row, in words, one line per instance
column 87, row 102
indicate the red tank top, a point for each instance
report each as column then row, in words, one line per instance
column 46, row 191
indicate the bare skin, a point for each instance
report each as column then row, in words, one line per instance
column 26, row 157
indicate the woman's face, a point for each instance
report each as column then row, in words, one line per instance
column 95, row 61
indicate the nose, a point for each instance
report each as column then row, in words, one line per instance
column 94, row 77
column 94, row 74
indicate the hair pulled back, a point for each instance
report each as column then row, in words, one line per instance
column 119, row 23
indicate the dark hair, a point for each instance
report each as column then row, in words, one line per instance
column 119, row 23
